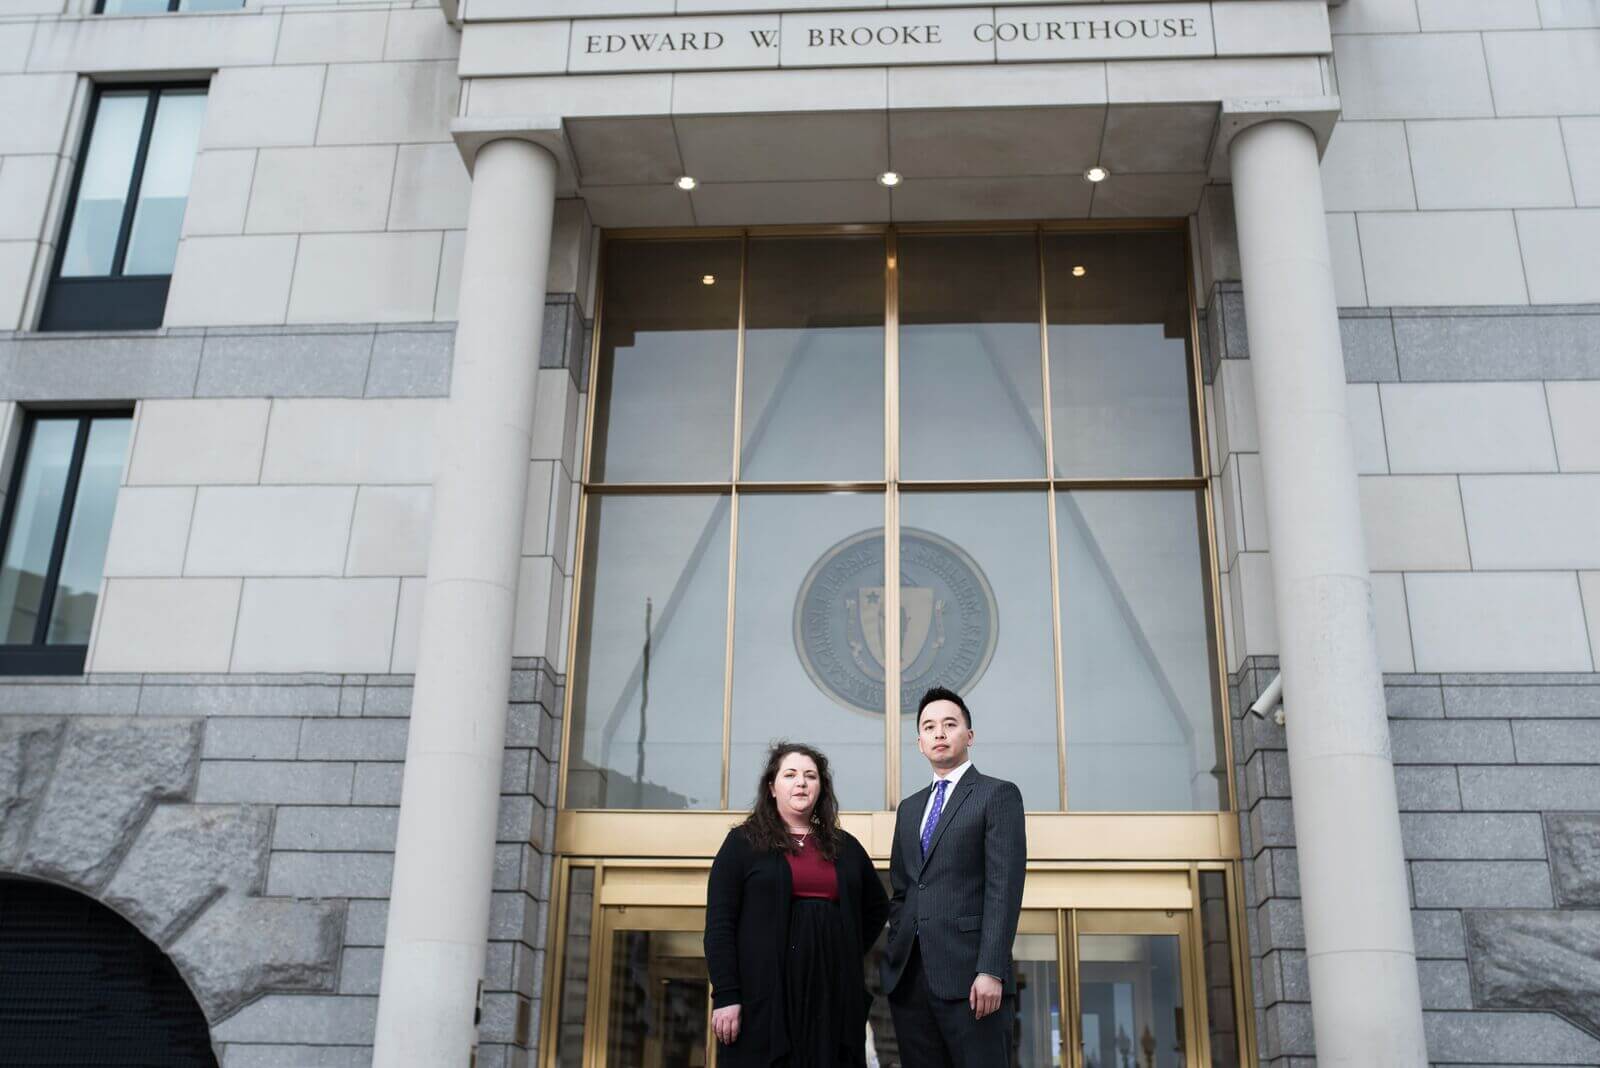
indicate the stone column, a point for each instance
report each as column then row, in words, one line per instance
column 444, row 855
column 1365, row 1003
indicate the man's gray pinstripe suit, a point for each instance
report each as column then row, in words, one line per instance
column 952, row 915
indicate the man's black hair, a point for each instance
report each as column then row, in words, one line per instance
column 939, row 693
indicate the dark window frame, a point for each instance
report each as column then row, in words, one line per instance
column 37, row 657
column 114, row 301
column 172, row 7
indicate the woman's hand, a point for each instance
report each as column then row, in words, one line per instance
column 725, row 1024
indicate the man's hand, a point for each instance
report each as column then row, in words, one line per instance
column 725, row 1024
column 984, row 996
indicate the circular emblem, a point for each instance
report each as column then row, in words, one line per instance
column 949, row 621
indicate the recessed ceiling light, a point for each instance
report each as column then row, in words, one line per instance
column 889, row 178
column 1079, row 271
column 1096, row 174
column 687, row 183
column 708, row 279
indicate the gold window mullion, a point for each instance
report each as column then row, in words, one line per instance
column 1050, row 505
column 733, row 525
column 891, row 519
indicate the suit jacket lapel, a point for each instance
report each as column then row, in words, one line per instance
column 963, row 788
column 911, row 828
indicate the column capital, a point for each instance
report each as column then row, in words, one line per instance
column 1317, row 113
column 547, row 131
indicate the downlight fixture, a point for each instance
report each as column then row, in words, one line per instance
column 687, row 183
column 1096, row 174
column 889, row 179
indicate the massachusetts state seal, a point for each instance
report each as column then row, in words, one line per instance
column 949, row 621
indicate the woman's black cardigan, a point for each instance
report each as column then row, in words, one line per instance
column 747, row 934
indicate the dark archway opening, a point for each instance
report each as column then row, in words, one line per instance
column 80, row 986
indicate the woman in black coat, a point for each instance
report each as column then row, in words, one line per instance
column 791, row 909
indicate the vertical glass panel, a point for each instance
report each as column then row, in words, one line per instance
column 575, row 966
column 210, row 5
column 647, row 703
column 164, row 186
column 664, row 387
column 135, row 7
column 975, row 616
column 1143, row 729
column 1037, row 1035
column 970, row 373
column 103, row 188
column 33, row 526
column 1218, row 953
column 813, row 360
column 90, row 528
column 659, row 992
column 808, row 662
column 1120, row 393
column 883, row 1044
column 1131, row 992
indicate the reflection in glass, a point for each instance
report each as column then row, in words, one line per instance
column 1142, row 722
column 807, row 639
column 575, row 965
column 882, row 1041
column 164, row 185
column 1131, row 993
column 1037, row 1037
column 664, row 385
column 813, row 360
column 657, row 1015
column 84, row 559
column 1120, row 393
column 647, row 698
column 33, row 527
column 1219, row 969
column 970, row 377
column 137, row 7
column 975, row 609
column 103, row 185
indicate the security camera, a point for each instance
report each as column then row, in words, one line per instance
column 1271, row 700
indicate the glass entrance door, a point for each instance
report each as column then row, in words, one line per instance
column 654, row 999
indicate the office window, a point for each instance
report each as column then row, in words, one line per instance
column 57, row 521
column 156, row 7
column 115, row 263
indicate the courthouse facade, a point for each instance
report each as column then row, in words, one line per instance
column 443, row 446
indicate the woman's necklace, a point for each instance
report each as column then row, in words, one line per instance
column 800, row 839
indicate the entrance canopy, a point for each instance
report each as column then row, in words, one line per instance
column 986, row 112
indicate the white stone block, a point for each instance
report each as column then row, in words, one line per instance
column 165, row 625
column 1367, row 168
column 1533, row 522
column 1467, row 427
column 1561, row 253
column 1440, row 15
column 1563, row 14
column 343, row 442
column 1374, row 16
column 1177, row 80
column 408, row 626
column 1393, row 623
column 17, row 260
column 510, row 48
column 14, row 40
column 311, row 624
column 1236, row 404
column 1229, row 518
column 1489, row 163
column 1366, row 428
column 1246, row 28
column 270, row 530
column 1544, row 72
column 249, row 107
column 555, row 407
column 1575, row 420
column 385, row 103
column 1413, row 523
column 538, row 608
column 1232, row 644
column 1441, row 257
column 1002, row 85
column 420, row 33
column 536, row 513
column 723, row 92
column 449, row 288
column 1413, row 76
column 231, row 281
column 198, row 442
column 36, row 108
column 333, row 36
column 1497, row 621
column 390, row 533
column 1252, row 502
column 219, row 191
column 149, row 531
column 431, row 189
column 584, row 95
column 304, row 190
column 156, row 43
column 1582, row 138
column 1589, row 585
column 342, row 278
column 1349, row 273
column 25, row 186
column 1255, row 614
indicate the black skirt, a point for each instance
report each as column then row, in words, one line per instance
column 823, row 1032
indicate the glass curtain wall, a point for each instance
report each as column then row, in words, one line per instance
column 829, row 470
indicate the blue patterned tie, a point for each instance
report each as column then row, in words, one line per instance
column 933, row 815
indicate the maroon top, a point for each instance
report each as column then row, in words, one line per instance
column 814, row 874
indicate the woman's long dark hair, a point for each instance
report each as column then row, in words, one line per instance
column 766, row 829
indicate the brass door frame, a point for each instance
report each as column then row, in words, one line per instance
column 617, row 918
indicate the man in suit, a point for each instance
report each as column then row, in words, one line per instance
column 955, row 872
